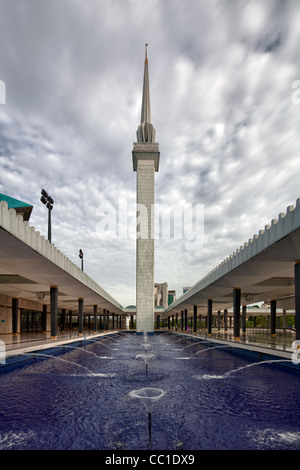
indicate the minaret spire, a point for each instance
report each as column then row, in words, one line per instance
column 146, row 131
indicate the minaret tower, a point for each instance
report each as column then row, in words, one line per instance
column 145, row 157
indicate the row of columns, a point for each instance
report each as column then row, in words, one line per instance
column 215, row 320
column 173, row 320
column 237, row 312
column 116, row 319
column 236, row 315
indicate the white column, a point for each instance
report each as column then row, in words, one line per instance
column 145, row 247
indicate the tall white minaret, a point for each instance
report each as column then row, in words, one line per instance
column 145, row 157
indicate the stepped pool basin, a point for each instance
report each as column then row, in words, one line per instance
column 160, row 392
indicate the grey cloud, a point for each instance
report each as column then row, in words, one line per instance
column 220, row 78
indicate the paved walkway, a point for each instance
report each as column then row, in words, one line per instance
column 280, row 345
column 261, row 341
column 27, row 342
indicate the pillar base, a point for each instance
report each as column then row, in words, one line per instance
column 53, row 337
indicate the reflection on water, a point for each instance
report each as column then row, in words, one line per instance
column 77, row 400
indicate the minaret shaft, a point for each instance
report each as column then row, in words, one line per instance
column 145, row 247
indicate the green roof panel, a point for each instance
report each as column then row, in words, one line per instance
column 13, row 203
column 19, row 206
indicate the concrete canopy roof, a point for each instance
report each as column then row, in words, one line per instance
column 263, row 268
column 30, row 264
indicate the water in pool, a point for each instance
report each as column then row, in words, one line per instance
column 163, row 392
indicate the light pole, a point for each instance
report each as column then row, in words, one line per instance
column 48, row 201
column 81, row 257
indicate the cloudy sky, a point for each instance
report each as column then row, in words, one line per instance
column 223, row 105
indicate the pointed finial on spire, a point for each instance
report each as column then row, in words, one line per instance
column 146, row 131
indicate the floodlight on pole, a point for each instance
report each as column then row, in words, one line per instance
column 81, row 257
column 48, row 202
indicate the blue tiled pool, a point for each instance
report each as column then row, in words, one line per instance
column 212, row 397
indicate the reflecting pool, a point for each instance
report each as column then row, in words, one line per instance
column 135, row 392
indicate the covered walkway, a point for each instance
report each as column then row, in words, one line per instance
column 42, row 290
column 265, row 269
